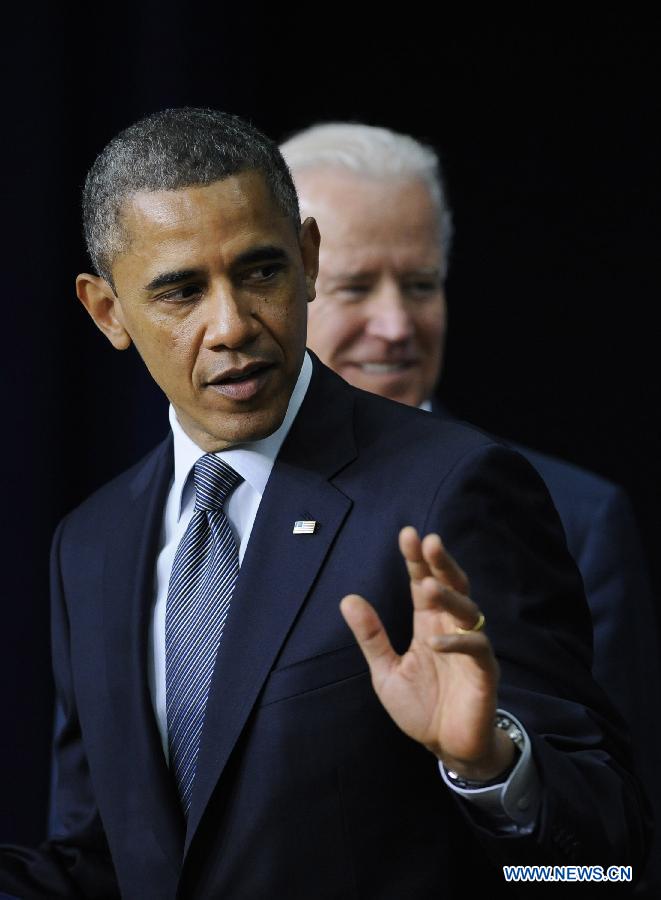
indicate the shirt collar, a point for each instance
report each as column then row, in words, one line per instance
column 253, row 461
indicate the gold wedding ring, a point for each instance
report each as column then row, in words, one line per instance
column 479, row 625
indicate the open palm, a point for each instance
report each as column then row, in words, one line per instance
column 442, row 691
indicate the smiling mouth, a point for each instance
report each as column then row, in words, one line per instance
column 385, row 368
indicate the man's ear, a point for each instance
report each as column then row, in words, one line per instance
column 100, row 301
column 309, row 241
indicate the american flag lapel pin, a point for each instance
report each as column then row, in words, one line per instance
column 304, row 527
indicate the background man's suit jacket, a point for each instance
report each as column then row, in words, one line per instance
column 304, row 786
column 603, row 539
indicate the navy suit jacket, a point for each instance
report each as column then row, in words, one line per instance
column 603, row 539
column 304, row 786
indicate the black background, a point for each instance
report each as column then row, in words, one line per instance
column 548, row 131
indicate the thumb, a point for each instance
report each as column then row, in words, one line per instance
column 368, row 630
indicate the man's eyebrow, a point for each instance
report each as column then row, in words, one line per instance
column 265, row 253
column 166, row 279
column 360, row 274
column 425, row 270
column 353, row 274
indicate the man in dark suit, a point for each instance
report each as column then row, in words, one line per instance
column 410, row 764
column 379, row 321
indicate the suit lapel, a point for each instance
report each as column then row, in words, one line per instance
column 278, row 571
column 128, row 594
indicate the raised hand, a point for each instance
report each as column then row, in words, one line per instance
column 442, row 691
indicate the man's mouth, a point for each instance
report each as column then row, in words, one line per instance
column 385, row 368
column 241, row 383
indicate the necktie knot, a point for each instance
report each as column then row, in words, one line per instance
column 214, row 482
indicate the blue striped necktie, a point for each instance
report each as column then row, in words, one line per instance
column 204, row 572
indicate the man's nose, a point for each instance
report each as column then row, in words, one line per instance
column 389, row 316
column 230, row 320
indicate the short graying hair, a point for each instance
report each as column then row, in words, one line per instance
column 169, row 150
column 375, row 153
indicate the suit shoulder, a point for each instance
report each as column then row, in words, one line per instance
column 404, row 428
column 567, row 479
column 569, row 484
column 590, row 506
column 112, row 497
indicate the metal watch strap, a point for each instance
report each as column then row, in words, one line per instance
column 515, row 734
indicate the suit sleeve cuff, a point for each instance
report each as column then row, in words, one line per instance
column 514, row 801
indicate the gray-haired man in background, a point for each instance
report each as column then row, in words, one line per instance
column 379, row 320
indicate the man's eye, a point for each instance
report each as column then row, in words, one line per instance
column 422, row 288
column 266, row 272
column 353, row 291
column 186, row 292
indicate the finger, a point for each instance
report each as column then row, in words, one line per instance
column 368, row 630
column 432, row 595
column 442, row 565
column 475, row 645
column 410, row 547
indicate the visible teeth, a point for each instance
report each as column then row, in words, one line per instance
column 382, row 368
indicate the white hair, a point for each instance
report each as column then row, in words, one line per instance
column 374, row 153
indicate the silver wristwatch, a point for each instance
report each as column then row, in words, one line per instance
column 511, row 729
column 515, row 734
